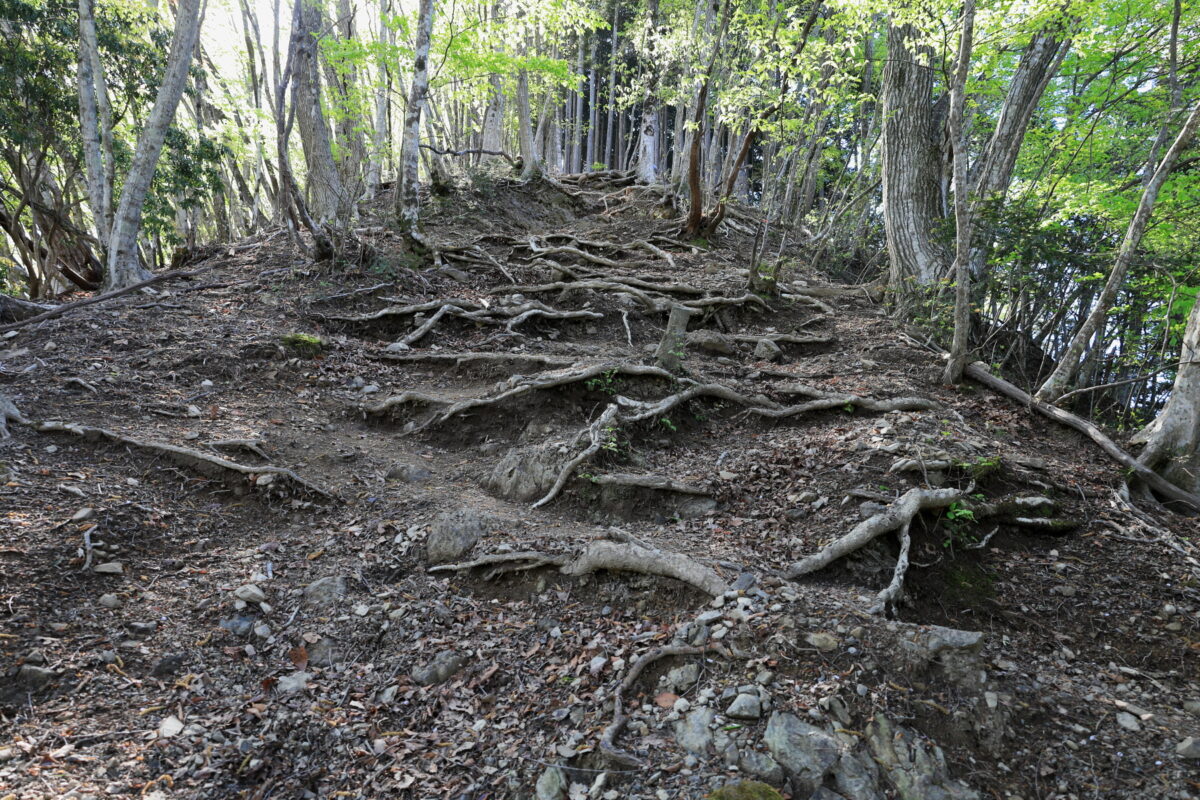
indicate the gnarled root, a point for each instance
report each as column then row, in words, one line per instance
column 827, row 400
column 213, row 466
column 898, row 514
column 595, row 432
column 634, row 557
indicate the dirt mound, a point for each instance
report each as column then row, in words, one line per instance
column 218, row 522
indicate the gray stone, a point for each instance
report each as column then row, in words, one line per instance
column 552, row 785
column 711, row 341
column 680, row 679
column 109, row 600
column 325, row 591
column 142, row 630
column 745, row 706
column 527, row 473
column 1188, row 748
column 745, row 581
column 109, row 568
column 803, row 749
column 955, row 653
column 238, row 626
column 295, row 682
column 825, row 642
column 410, row 473
column 1128, row 721
column 761, row 765
column 857, row 778
column 915, row 770
column 250, row 593
column 453, row 535
column 34, row 676
column 1192, row 706
column 693, row 733
column 443, row 667
column 168, row 666
column 767, row 350
column 323, row 652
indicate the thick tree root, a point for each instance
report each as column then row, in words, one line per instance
column 900, row 513
column 890, row 594
column 649, row 482
column 650, row 303
column 781, row 338
column 608, row 739
column 629, row 555
column 507, row 316
column 828, row 400
column 471, row 358
column 204, row 463
column 639, row 410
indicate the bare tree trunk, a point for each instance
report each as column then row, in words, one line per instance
column 1173, row 438
column 380, row 141
column 962, row 204
column 1068, row 364
column 96, row 120
column 525, row 128
column 328, row 198
column 124, row 267
column 408, row 197
column 609, row 160
column 910, row 160
column 577, row 126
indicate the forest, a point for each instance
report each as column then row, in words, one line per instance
column 624, row 398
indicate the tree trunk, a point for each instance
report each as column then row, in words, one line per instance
column 1173, row 439
column 962, row 206
column 380, row 141
column 95, row 117
column 911, row 204
column 327, row 196
column 1068, row 365
column 124, row 267
column 408, row 197
column 525, row 128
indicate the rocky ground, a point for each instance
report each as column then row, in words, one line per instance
column 477, row 532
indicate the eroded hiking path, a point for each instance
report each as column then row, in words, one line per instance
column 427, row 549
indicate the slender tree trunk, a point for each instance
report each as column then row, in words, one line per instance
column 578, row 126
column 408, row 196
column 379, row 134
column 124, row 267
column 1068, row 365
column 609, row 158
column 525, row 128
column 96, row 118
column 962, row 203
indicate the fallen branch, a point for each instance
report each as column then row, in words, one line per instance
column 978, row 372
column 649, row 482
column 472, row 152
column 630, row 557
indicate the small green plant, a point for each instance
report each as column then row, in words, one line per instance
column 610, row 443
column 669, row 425
column 605, row 382
column 980, row 467
column 958, row 521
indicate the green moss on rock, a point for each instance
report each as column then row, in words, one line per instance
column 745, row 790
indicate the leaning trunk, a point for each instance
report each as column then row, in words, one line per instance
column 124, row 266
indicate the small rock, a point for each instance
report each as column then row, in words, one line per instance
column 745, row 581
column 680, row 679
column 682, row 705
column 296, row 682
column 711, row 341
column 250, row 593
column 325, row 591
column 169, row 727
column 142, row 630
column 443, row 667
column 1128, row 721
column 35, row 676
column 109, row 600
column 83, row 514
column 453, row 535
column 238, row 626
column 168, row 665
column 1189, row 748
column 323, row 652
column 1192, row 706
column 767, row 350
column 761, row 765
column 804, row 749
column 745, row 706
column 109, row 568
column 825, row 642
column 410, row 473
column 693, row 733
column 551, row 785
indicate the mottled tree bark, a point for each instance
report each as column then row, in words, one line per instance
column 327, row 196
column 408, row 197
column 1173, row 439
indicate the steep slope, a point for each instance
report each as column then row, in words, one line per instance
column 358, row 533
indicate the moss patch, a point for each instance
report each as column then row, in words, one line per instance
column 745, row 790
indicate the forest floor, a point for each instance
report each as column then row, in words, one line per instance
column 215, row 574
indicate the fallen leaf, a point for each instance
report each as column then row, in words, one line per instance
column 299, row 656
column 666, row 699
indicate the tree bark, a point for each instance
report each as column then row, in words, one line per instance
column 408, row 197
column 1173, row 439
column 95, row 114
column 962, row 204
column 327, row 196
column 1068, row 365
column 911, row 204
column 124, row 266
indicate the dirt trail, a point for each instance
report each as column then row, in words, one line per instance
column 174, row 627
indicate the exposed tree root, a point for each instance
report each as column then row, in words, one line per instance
column 900, row 513
column 630, row 555
column 213, row 466
column 639, row 410
column 651, row 304
column 978, row 372
column 608, row 739
column 596, row 433
column 891, row 593
column 404, row 311
column 649, row 482
column 717, row 301
column 824, row 400
column 465, row 358
column 781, row 338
